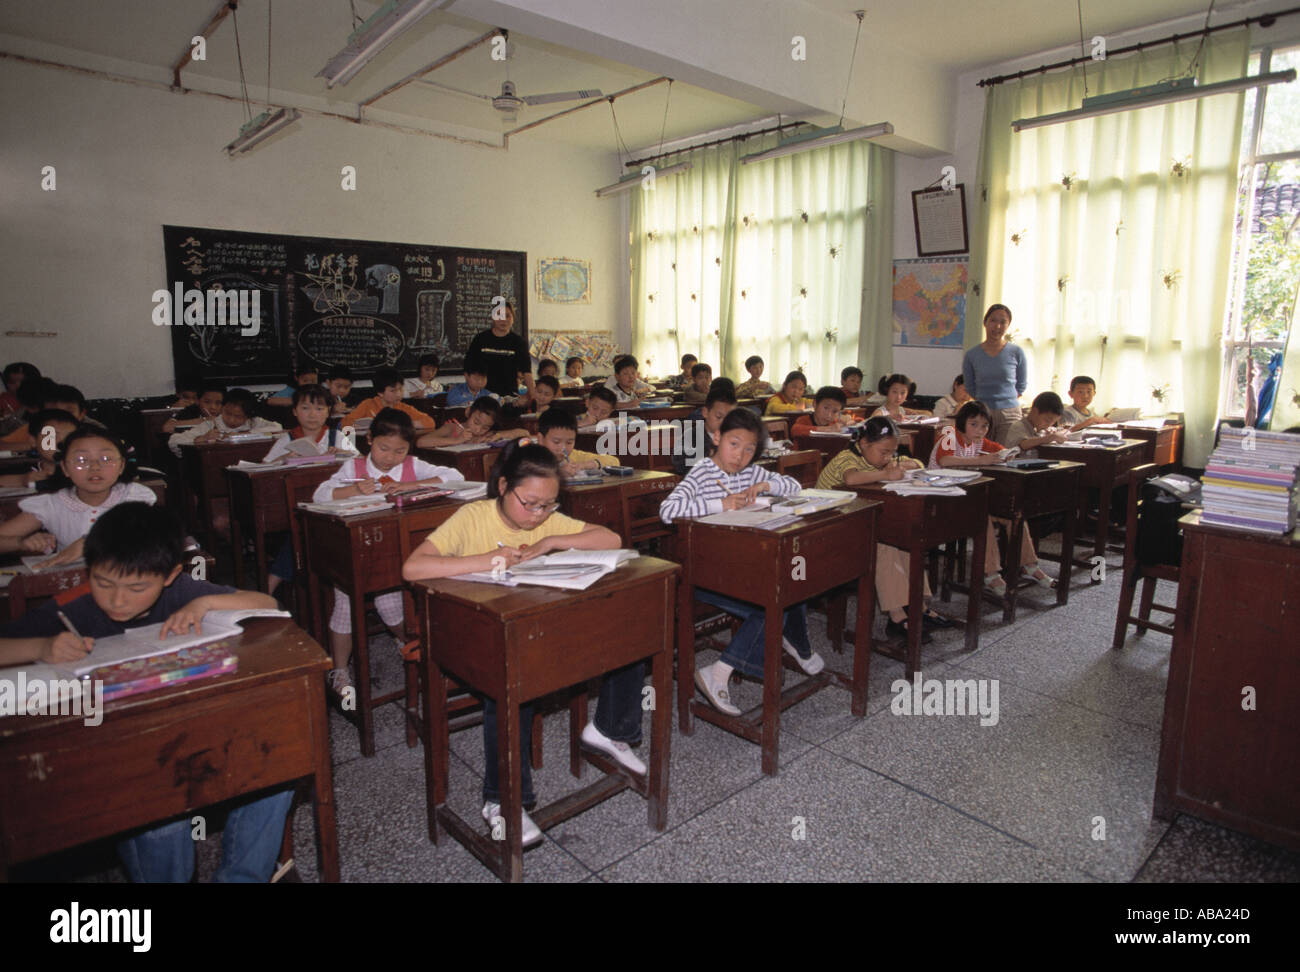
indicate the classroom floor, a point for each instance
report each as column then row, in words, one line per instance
column 1058, row 790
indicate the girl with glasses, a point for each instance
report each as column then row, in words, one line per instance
column 516, row 523
column 94, row 461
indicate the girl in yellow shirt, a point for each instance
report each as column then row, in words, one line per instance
column 517, row 523
column 791, row 396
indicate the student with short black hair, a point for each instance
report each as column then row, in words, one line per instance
column 311, row 405
column 388, row 387
column 729, row 480
column 474, row 386
column 755, row 387
column 684, row 380
column 339, row 382
column 188, row 389
column 517, row 522
column 897, row 389
column 135, row 561
column 388, row 468
column 947, row 406
column 545, row 390
column 625, row 383
column 212, row 396
column 480, row 425
column 425, row 383
column 1079, row 414
column 791, row 396
column 572, row 373
column 701, row 379
column 305, row 375
column 558, row 431
column 1039, row 427
column 601, row 404
column 718, row 405
column 828, row 412
column 548, row 367
column 851, row 385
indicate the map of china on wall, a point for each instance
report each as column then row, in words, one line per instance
column 929, row 302
column 561, row 280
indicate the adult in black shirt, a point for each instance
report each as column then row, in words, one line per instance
column 504, row 355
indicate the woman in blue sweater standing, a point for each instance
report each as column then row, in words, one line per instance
column 996, row 372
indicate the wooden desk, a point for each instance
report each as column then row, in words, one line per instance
column 775, row 569
column 362, row 555
column 659, row 441
column 203, row 480
column 658, row 413
column 173, row 752
column 916, row 524
column 9, row 504
column 804, row 465
column 1104, row 469
column 153, row 441
column 515, row 644
column 257, row 506
column 628, row 505
column 828, row 445
column 1237, row 615
column 1022, row 494
column 468, row 461
column 1165, row 443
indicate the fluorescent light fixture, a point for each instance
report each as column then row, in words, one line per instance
column 820, row 139
column 262, row 127
column 634, row 179
column 383, row 27
column 1167, row 92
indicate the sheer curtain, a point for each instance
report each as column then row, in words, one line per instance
column 788, row 259
column 1110, row 238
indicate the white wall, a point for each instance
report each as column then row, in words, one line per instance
column 85, row 259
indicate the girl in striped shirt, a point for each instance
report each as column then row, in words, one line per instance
column 730, row 481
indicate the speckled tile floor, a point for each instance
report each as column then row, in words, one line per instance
column 1059, row 789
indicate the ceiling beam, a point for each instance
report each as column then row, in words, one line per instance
column 445, row 59
column 218, row 15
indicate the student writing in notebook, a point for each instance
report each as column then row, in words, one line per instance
column 389, row 468
column 558, row 431
column 516, row 523
column 729, row 480
column 1039, row 427
column 237, row 416
column 388, row 385
column 480, row 426
column 135, row 561
column 425, row 384
column 94, row 462
column 872, row 458
column 545, row 390
column 966, row 443
column 311, row 407
column 339, row 384
column 1079, row 414
column 601, row 404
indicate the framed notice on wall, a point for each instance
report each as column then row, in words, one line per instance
column 940, row 219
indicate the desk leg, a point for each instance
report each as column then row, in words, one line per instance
column 436, row 741
column 1103, row 520
column 361, row 649
column 773, row 650
column 1011, row 571
column 327, row 840
column 661, row 678
column 976, row 596
column 259, row 552
column 508, row 773
column 915, row 608
column 685, row 655
column 1067, row 557
column 862, row 644
column 237, row 542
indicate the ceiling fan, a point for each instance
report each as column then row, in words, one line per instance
column 509, row 101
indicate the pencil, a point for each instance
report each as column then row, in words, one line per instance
column 69, row 625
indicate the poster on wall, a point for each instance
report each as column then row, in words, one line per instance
column 561, row 280
column 929, row 303
column 596, row 348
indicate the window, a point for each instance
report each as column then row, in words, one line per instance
column 1266, row 251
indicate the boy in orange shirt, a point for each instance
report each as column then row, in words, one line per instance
column 389, row 385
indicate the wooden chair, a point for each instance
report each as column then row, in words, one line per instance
column 804, row 465
column 1136, row 569
column 297, row 490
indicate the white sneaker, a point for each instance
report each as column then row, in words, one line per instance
column 719, row 698
column 812, row 664
column 593, row 737
column 492, row 813
column 339, row 680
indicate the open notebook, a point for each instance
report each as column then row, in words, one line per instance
column 574, row 570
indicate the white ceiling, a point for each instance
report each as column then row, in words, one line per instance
column 955, row 34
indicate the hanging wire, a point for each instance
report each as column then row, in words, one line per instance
column 355, row 18
column 664, row 126
column 269, row 5
column 1083, row 51
column 1191, row 68
column 243, row 83
column 856, row 37
column 619, row 145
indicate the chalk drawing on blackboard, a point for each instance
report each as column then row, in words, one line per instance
column 388, row 279
column 431, row 322
column 354, row 340
column 333, row 290
column 226, row 346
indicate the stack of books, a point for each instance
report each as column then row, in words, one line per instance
column 1250, row 481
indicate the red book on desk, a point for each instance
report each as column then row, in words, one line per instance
column 146, row 674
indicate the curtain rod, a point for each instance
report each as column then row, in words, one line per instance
column 717, row 141
column 1264, row 20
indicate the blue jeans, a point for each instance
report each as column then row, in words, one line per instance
column 618, row 716
column 249, row 845
column 745, row 652
column 282, row 566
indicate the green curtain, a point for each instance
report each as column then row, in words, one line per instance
column 787, row 258
column 1111, row 238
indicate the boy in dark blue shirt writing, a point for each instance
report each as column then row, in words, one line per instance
column 134, row 560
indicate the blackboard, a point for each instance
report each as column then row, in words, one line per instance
column 254, row 307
